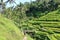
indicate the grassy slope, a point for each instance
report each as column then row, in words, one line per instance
column 8, row 31
column 51, row 19
column 50, row 23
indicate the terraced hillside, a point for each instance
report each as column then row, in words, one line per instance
column 50, row 20
column 50, row 23
column 46, row 27
column 9, row 31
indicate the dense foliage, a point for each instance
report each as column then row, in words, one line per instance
column 39, row 19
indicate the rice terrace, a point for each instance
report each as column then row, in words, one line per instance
column 29, row 19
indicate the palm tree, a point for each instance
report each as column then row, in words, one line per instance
column 2, row 5
column 10, row 1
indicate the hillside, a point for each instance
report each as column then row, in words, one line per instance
column 30, row 20
column 46, row 27
column 9, row 31
column 52, row 19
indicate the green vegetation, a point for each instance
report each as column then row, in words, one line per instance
column 38, row 20
column 46, row 27
column 9, row 31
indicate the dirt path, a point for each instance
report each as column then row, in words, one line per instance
column 25, row 37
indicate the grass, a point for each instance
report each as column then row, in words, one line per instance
column 9, row 31
column 48, row 25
